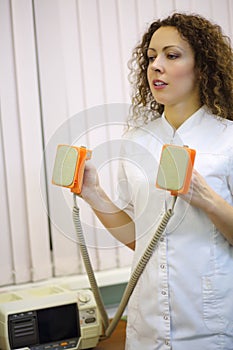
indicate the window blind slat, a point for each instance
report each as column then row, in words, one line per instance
column 31, row 139
column 6, row 264
column 15, row 185
column 55, row 107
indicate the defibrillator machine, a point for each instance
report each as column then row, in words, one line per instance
column 55, row 317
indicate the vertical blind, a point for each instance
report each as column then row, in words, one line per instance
column 63, row 79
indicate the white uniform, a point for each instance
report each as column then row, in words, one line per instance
column 184, row 298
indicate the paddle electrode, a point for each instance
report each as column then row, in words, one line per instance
column 175, row 169
column 174, row 175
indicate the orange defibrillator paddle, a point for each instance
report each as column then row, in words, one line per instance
column 175, row 168
column 69, row 167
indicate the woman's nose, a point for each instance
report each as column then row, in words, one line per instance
column 157, row 64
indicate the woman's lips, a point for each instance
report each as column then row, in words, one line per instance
column 159, row 84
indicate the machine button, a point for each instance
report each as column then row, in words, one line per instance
column 90, row 320
column 84, row 298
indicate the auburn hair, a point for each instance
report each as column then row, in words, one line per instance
column 213, row 59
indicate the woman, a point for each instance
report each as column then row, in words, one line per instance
column 182, row 73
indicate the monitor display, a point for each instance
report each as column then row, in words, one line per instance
column 58, row 323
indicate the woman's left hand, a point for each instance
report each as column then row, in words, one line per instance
column 200, row 194
column 220, row 212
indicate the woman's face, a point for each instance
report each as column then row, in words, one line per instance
column 171, row 71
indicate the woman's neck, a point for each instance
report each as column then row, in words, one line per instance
column 177, row 115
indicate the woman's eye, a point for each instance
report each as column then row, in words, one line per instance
column 151, row 58
column 172, row 56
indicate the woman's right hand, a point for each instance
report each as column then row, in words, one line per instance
column 90, row 182
column 115, row 220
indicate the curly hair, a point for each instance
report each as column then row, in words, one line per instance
column 213, row 59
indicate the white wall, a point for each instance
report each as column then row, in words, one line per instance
column 63, row 79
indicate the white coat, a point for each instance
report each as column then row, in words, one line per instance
column 184, row 298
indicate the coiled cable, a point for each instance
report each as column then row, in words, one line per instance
column 109, row 328
column 139, row 269
column 88, row 266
